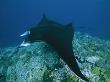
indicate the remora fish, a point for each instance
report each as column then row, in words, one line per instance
column 59, row 37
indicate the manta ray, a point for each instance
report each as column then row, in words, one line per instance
column 59, row 37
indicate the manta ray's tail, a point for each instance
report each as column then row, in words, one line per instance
column 75, row 68
column 71, row 62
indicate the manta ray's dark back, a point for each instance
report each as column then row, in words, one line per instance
column 60, row 37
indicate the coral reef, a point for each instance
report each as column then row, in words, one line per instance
column 40, row 63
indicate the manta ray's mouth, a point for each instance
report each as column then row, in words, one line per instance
column 22, row 35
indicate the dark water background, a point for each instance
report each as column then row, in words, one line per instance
column 88, row 16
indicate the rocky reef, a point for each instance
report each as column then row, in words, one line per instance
column 40, row 63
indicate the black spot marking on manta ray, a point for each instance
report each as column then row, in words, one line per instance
column 60, row 38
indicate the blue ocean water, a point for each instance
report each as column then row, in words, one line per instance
column 88, row 16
